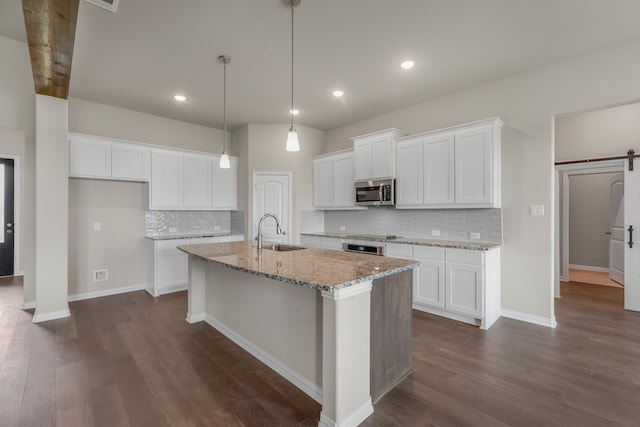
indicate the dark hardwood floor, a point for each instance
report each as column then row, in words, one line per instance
column 132, row 360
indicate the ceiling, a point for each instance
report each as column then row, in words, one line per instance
column 150, row 50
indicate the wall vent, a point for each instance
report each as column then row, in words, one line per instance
column 110, row 5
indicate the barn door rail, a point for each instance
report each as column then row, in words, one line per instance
column 631, row 154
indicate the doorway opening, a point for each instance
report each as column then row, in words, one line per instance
column 7, row 217
column 590, row 206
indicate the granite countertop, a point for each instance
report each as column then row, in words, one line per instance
column 171, row 236
column 322, row 269
column 420, row 241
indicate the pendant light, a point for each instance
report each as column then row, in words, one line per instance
column 292, row 137
column 224, row 158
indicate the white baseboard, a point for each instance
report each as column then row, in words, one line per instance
column 171, row 289
column 589, row 268
column 353, row 420
column 549, row 322
column 105, row 292
column 447, row 314
column 195, row 318
column 295, row 378
column 28, row 305
column 52, row 315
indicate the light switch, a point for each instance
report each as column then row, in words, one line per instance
column 537, row 210
column 97, row 226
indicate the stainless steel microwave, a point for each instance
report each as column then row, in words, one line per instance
column 379, row 192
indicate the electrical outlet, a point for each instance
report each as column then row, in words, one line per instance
column 173, row 229
column 97, row 226
column 435, row 233
column 474, row 235
column 216, row 228
column 100, row 275
column 536, row 210
column 343, row 228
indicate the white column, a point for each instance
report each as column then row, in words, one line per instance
column 196, row 293
column 52, row 209
column 346, row 327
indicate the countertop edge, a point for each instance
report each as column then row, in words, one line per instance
column 300, row 282
column 417, row 241
column 192, row 236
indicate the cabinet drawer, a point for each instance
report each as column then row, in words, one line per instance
column 396, row 250
column 465, row 256
column 169, row 245
column 204, row 240
column 428, row 252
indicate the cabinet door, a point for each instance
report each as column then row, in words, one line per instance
column 343, row 188
column 464, row 288
column 428, row 286
column 362, row 159
column 129, row 162
column 197, row 181
column 171, row 264
column 382, row 157
column 474, row 166
column 323, row 182
column 409, row 181
column 89, row 158
column 439, row 170
column 166, row 183
column 225, row 185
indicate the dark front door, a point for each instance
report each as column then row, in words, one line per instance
column 7, row 225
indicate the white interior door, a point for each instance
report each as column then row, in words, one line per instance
column 616, row 228
column 271, row 194
column 632, row 243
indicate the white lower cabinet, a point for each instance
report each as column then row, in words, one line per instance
column 460, row 284
column 168, row 267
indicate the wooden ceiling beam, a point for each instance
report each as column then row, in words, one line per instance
column 51, row 30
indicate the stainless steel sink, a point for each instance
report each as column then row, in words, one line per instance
column 282, row 248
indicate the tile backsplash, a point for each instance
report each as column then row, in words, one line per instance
column 184, row 222
column 453, row 224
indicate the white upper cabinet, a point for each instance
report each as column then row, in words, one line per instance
column 333, row 181
column 475, row 166
column 167, row 180
column 409, row 180
column 130, row 162
column 439, row 169
column 323, row 182
column 375, row 154
column 198, row 178
column 183, row 180
column 104, row 158
column 225, row 185
column 457, row 167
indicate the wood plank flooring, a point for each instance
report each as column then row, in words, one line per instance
column 132, row 360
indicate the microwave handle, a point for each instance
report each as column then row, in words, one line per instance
column 380, row 193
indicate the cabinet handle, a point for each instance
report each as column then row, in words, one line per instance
column 630, row 229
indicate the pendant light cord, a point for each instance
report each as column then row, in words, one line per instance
column 224, row 107
column 291, row 65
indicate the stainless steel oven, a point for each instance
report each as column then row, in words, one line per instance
column 372, row 248
column 375, row 192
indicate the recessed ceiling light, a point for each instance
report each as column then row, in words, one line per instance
column 338, row 93
column 294, row 112
column 407, row 65
column 180, row 98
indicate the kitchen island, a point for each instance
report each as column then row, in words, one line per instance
column 335, row 324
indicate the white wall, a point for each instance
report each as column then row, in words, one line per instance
column 527, row 103
column 589, row 220
column 17, row 112
column 264, row 147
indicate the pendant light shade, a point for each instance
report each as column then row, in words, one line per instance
column 292, row 138
column 224, row 158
